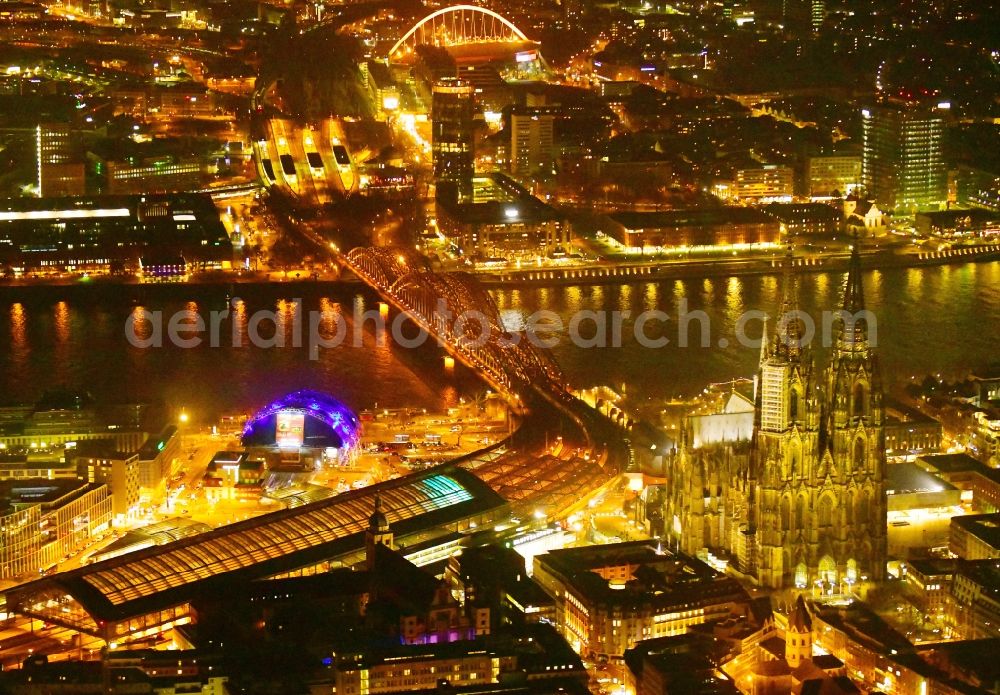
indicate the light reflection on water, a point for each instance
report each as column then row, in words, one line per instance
column 932, row 319
column 944, row 318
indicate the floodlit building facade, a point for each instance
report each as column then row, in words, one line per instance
column 608, row 598
column 804, row 504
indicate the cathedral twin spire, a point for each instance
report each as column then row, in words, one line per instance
column 786, row 343
column 816, row 466
column 852, row 324
column 853, row 336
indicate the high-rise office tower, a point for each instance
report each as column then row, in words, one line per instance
column 452, row 112
column 903, row 165
column 60, row 171
column 803, row 15
column 531, row 140
column 818, row 13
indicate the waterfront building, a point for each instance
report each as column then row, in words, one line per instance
column 863, row 215
column 693, row 230
column 958, row 223
column 112, row 231
column 805, row 218
column 804, row 505
column 60, row 170
column 501, row 221
column 903, row 166
column 763, row 182
column 34, row 437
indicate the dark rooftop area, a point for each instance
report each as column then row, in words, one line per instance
column 985, row 527
column 950, row 463
column 698, row 217
column 655, row 575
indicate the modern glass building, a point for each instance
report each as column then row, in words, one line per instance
column 903, row 165
column 452, row 112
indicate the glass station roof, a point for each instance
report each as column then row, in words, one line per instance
column 271, row 544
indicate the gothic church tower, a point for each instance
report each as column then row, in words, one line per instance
column 817, row 509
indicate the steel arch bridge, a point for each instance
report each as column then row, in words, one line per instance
column 458, row 25
column 462, row 315
column 511, row 363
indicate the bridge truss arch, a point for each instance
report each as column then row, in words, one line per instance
column 457, row 25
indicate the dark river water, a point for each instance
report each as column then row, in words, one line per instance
column 943, row 319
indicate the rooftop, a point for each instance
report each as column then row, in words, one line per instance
column 160, row 533
column 932, row 567
column 117, row 206
column 702, row 217
column 43, row 490
column 909, row 477
column 801, row 212
column 985, row 527
column 905, row 413
column 862, row 625
column 161, row 577
column 985, row 573
column 653, row 574
column 497, row 200
column 950, row 463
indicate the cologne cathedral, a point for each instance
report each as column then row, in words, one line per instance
column 802, row 503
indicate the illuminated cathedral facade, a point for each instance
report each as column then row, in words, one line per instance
column 802, row 504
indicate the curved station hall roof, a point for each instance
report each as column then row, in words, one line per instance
column 116, row 591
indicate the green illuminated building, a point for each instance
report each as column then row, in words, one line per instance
column 903, row 164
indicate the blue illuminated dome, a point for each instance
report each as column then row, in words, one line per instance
column 325, row 422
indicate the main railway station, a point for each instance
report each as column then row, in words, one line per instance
column 146, row 592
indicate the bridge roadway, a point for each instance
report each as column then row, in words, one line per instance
column 457, row 310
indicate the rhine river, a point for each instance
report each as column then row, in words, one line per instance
column 932, row 319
